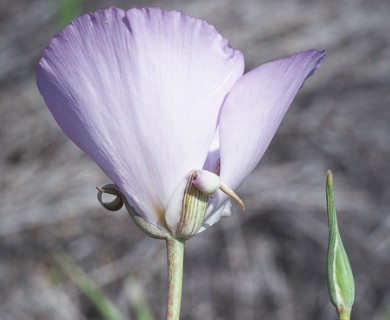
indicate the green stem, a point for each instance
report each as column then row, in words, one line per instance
column 344, row 313
column 175, row 254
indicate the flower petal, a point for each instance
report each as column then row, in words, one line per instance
column 214, row 215
column 140, row 92
column 254, row 109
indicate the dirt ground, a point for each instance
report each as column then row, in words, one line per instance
column 268, row 263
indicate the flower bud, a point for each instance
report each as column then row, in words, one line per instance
column 341, row 284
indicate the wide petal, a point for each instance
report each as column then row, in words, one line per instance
column 140, row 92
column 254, row 109
column 251, row 114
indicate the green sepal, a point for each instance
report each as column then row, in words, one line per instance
column 193, row 211
column 118, row 202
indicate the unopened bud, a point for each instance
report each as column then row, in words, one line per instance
column 341, row 284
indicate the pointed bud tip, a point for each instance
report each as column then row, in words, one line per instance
column 241, row 203
column 329, row 179
column 224, row 188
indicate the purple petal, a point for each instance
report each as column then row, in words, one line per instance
column 140, row 92
column 254, row 109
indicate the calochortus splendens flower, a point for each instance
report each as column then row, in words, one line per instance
column 159, row 101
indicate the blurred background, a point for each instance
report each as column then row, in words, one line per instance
column 266, row 263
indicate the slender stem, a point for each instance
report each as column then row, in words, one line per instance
column 344, row 313
column 175, row 254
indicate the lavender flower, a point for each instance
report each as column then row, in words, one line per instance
column 159, row 101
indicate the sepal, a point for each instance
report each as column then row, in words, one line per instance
column 116, row 204
column 188, row 206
